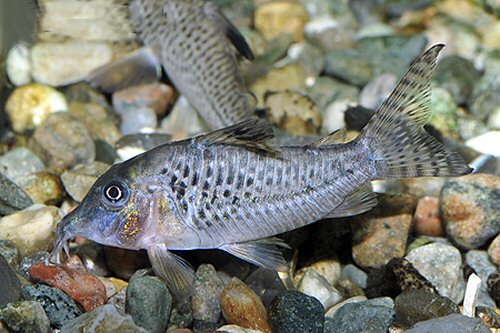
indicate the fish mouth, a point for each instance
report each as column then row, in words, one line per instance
column 65, row 230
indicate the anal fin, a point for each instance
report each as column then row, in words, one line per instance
column 137, row 67
column 359, row 201
column 261, row 252
column 176, row 272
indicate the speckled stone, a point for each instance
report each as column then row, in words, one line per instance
column 470, row 208
column 295, row 312
column 9, row 251
column 207, row 292
column 149, row 303
column 25, row 316
column 58, row 306
column 483, row 267
column 10, row 286
column 451, row 323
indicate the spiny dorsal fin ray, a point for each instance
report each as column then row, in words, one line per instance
column 336, row 137
column 231, row 32
column 261, row 252
column 140, row 66
column 253, row 134
column 357, row 202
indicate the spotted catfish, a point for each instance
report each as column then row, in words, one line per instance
column 198, row 47
column 232, row 189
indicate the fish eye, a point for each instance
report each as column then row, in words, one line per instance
column 115, row 193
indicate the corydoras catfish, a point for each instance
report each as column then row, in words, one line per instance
column 197, row 46
column 231, row 189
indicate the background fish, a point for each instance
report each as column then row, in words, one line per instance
column 231, row 189
column 196, row 45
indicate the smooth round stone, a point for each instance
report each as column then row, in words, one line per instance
column 327, row 90
column 355, row 274
column 13, row 197
column 441, row 264
column 9, row 251
column 417, row 305
column 30, row 229
column 30, row 105
column 139, row 120
column 10, row 286
column 471, row 210
column 43, row 188
column 360, row 317
column 296, row 312
column 20, row 162
column 80, row 179
column 327, row 34
column 458, row 76
column 374, row 93
column 281, row 17
column 315, row 285
column 149, row 303
column 58, row 306
column 486, row 143
column 157, row 96
column 451, row 323
column 483, row 267
column 25, row 316
column 103, row 319
column 18, row 64
column 266, row 283
column 308, row 56
column 486, row 95
column 63, row 142
column 207, row 291
column 426, row 219
column 494, row 250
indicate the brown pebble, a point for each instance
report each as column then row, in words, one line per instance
column 494, row 250
column 157, row 96
column 241, row 306
column 426, row 219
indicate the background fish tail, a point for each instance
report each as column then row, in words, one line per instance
column 395, row 136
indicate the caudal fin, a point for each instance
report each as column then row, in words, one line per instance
column 395, row 135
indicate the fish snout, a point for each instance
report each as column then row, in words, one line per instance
column 65, row 230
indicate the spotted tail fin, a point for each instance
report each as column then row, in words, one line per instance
column 395, row 135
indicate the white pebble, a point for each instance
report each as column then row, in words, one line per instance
column 18, row 64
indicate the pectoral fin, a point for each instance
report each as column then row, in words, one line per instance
column 176, row 272
column 357, row 202
column 262, row 252
column 138, row 67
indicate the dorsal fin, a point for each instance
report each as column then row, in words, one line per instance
column 231, row 32
column 334, row 138
column 253, row 134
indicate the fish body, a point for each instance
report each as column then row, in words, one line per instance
column 197, row 46
column 232, row 189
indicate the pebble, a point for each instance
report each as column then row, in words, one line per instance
column 293, row 112
column 30, row 229
column 139, row 120
column 330, row 269
column 266, row 283
column 494, row 286
column 43, row 188
column 281, row 17
column 124, row 263
column 25, row 316
column 426, row 220
column 296, row 312
column 458, row 76
column 374, row 93
column 356, row 275
column 470, row 128
column 13, row 197
column 30, row 105
column 233, row 329
column 18, row 64
column 417, row 305
column 334, row 116
column 494, row 119
column 441, row 265
column 486, row 143
column 58, row 64
column 157, row 96
column 315, row 285
column 84, row 93
column 408, row 277
column 289, row 77
column 450, row 323
column 483, row 267
column 205, row 301
column 149, row 303
column 98, row 121
column 182, row 314
column 63, row 142
column 86, row 289
column 444, row 116
column 327, row 90
column 471, row 210
column 27, row 262
column 326, row 33
column 374, row 56
column 58, row 306
column 486, row 94
column 80, row 179
column 331, row 311
column 10, row 286
column 360, row 317
column 241, row 306
column 182, row 120
column 102, row 320
column 19, row 163
column 494, row 250
column 381, row 234
column 9, row 251
column 309, row 57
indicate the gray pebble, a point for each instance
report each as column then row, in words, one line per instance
column 9, row 251
column 207, row 291
column 10, row 286
column 29, row 261
column 12, row 197
column 355, row 274
column 458, row 76
column 26, row 317
column 80, row 179
column 58, row 306
column 450, row 323
column 481, row 264
column 149, row 303
column 20, row 162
